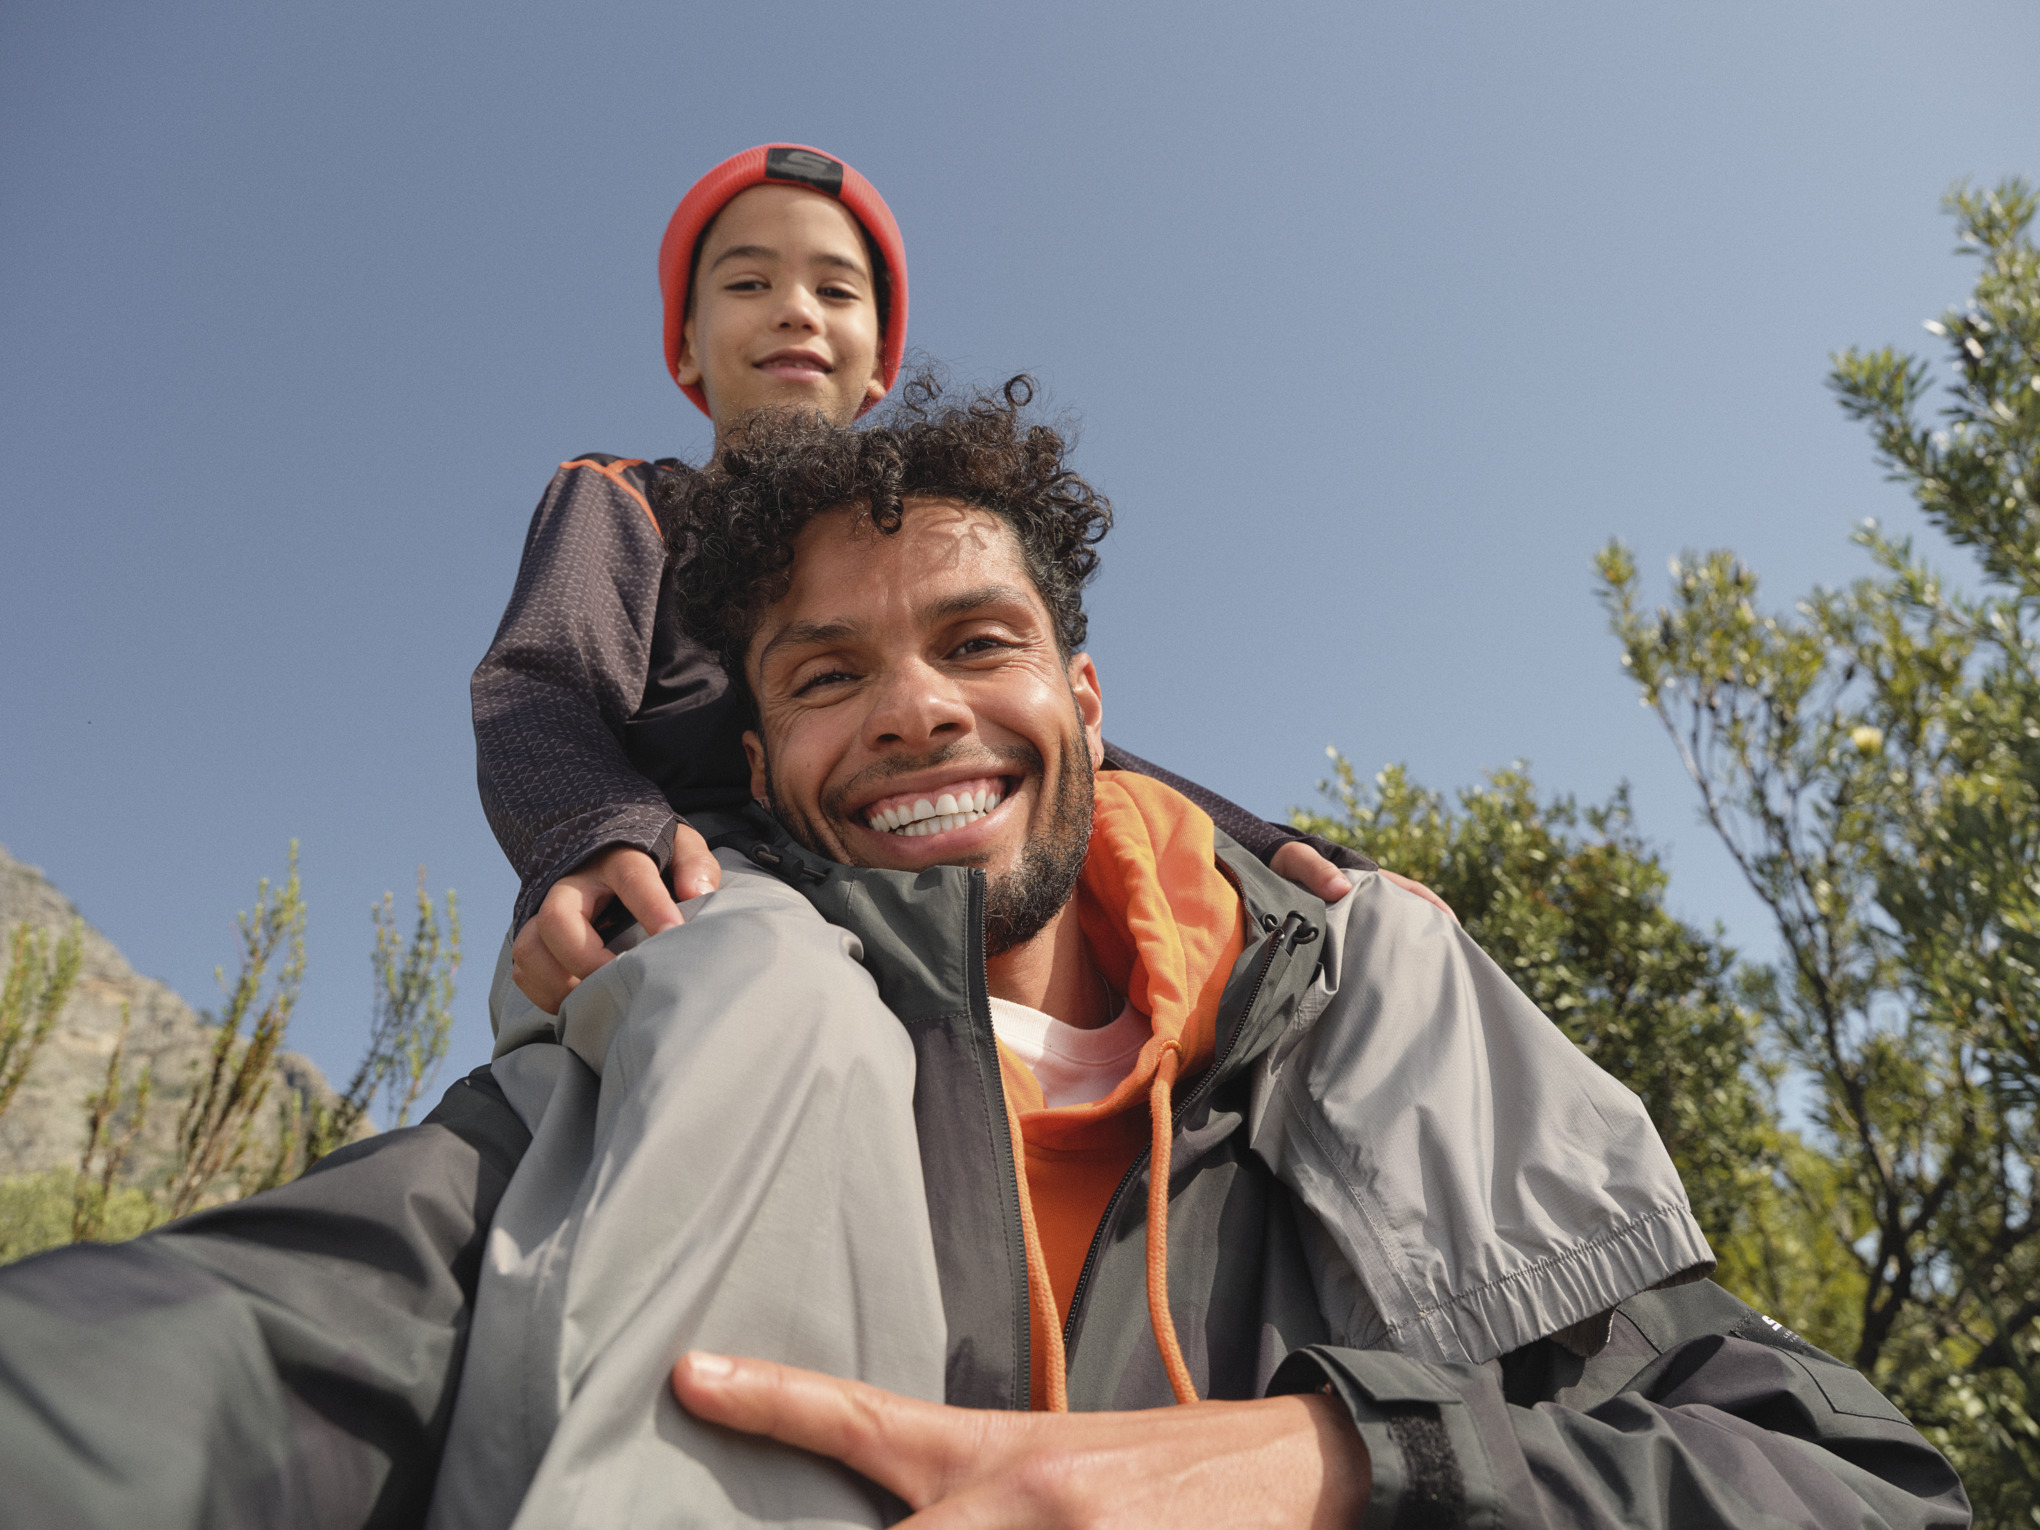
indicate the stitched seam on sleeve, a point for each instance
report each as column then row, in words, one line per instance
column 614, row 472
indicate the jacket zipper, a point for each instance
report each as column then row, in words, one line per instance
column 1183, row 1106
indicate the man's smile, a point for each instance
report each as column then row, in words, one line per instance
column 936, row 809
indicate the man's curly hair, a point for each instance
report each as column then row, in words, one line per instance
column 730, row 528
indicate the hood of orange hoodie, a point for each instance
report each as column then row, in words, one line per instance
column 1166, row 927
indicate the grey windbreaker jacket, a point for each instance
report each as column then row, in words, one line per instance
column 291, row 1359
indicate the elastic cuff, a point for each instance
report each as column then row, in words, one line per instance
column 662, row 848
column 1339, row 855
column 659, row 846
column 1427, row 1462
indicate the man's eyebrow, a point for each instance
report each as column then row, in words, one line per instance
column 966, row 601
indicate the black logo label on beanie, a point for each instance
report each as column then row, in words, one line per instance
column 805, row 167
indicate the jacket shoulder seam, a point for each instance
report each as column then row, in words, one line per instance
column 616, row 470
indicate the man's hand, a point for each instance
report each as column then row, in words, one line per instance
column 1282, row 1461
column 1299, row 863
column 558, row 945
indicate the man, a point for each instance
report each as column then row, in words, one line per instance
column 1405, row 1258
column 1343, row 1162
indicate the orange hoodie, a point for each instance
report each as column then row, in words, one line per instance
column 1164, row 926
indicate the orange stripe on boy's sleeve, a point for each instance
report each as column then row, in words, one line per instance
column 613, row 471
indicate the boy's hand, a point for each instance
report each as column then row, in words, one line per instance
column 559, row 946
column 1299, row 863
column 1292, row 1462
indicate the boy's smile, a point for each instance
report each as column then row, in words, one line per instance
column 784, row 311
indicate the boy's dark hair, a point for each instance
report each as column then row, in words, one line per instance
column 730, row 529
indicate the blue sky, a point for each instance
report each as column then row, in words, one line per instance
column 1379, row 320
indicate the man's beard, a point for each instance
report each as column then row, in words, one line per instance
column 1018, row 904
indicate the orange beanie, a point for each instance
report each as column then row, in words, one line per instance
column 789, row 164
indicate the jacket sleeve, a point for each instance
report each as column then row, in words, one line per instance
column 566, row 672
column 288, row 1359
column 1257, row 836
column 1699, row 1413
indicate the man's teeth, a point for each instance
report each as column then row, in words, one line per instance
column 947, row 811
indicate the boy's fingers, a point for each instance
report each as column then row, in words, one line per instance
column 634, row 877
column 565, row 924
column 1408, row 884
column 537, row 975
column 1299, row 863
column 696, row 871
column 900, row 1443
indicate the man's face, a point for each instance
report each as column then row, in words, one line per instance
column 785, row 313
column 899, row 671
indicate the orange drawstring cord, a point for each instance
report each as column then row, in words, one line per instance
column 1161, row 1113
column 1040, row 1294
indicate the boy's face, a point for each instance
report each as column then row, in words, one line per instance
column 785, row 313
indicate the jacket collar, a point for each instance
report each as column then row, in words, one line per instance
column 923, row 932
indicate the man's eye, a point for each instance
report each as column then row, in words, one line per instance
column 826, row 678
column 971, row 647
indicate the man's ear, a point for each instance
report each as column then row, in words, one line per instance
column 1090, row 701
column 754, row 751
column 688, row 373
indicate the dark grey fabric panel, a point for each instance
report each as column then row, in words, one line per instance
column 1676, row 1423
column 285, row 1360
column 1236, row 1317
column 974, row 1209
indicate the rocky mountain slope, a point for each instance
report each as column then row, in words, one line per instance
column 45, row 1127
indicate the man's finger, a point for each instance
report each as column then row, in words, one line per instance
column 901, row 1443
column 635, row 880
column 695, row 872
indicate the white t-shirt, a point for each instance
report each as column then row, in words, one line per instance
column 1073, row 1067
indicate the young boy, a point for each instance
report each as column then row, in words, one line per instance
column 597, row 726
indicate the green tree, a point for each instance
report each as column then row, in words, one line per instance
column 217, row 1127
column 410, row 1022
column 38, row 983
column 1872, row 762
column 1570, row 902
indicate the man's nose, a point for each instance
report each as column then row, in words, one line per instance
column 915, row 706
